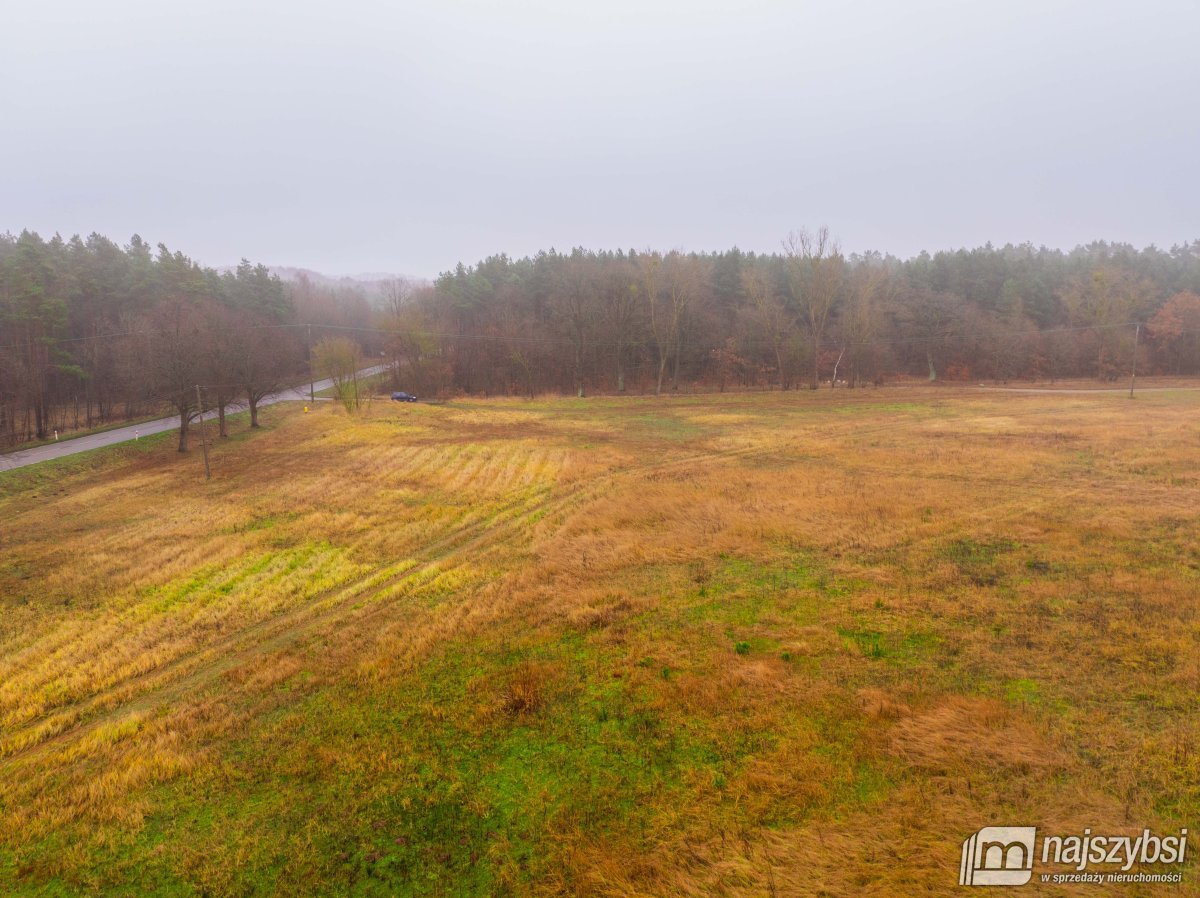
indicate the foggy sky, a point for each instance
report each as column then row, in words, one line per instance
column 404, row 137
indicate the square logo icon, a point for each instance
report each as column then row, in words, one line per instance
column 998, row 856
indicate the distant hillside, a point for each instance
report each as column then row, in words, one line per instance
column 372, row 282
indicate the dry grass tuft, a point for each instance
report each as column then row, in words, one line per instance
column 963, row 734
column 876, row 704
column 528, row 689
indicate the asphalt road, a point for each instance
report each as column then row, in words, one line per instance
column 62, row 448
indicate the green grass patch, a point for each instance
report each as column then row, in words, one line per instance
column 980, row 561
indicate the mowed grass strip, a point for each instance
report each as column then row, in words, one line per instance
column 784, row 644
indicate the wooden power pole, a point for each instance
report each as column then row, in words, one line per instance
column 312, row 396
column 1133, row 369
column 203, row 434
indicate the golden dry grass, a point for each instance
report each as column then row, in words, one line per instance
column 773, row 644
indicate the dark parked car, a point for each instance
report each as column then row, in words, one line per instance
column 404, row 397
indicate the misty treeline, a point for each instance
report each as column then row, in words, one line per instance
column 93, row 333
column 801, row 317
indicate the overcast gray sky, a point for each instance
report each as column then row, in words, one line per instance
column 367, row 136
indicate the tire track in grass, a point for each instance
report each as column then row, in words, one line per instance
column 195, row 670
column 324, row 604
column 471, row 523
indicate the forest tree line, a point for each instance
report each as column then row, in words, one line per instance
column 93, row 333
column 805, row 316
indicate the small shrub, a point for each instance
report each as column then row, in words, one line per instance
column 526, row 691
column 868, row 642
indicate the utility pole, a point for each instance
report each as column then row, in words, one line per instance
column 1133, row 370
column 203, row 434
column 312, row 396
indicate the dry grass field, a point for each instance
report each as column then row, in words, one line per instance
column 731, row 645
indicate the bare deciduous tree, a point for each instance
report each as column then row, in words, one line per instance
column 772, row 321
column 621, row 313
column 573, row 299
column 340, row 359
column 175, row 341
column 815, row 277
